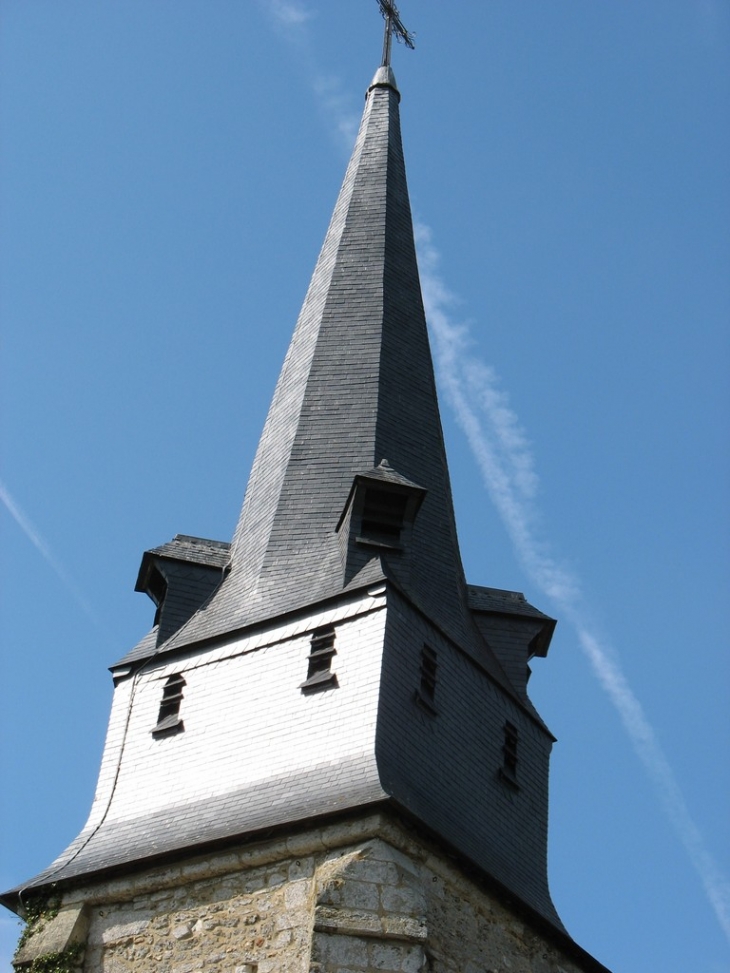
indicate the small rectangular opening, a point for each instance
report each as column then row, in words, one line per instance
column 168, row 718
column 425, row 694
column 428, row 672
column 383, row 514
column 509, row 752
column 319, row 667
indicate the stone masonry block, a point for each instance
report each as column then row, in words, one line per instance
column 347, row 922
column 405, row 927
column 378, row 872
column 296, row 894
column 349, row 832
column 414, row 961
column 301, row 868
column 407, row 899
column 121, row 931
column 276, row 919
column 382, row 851
column 360, row 895
column 386, row 957
column 334, row 952
column 65, row 929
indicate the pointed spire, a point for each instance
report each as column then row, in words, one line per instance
column 357, row 386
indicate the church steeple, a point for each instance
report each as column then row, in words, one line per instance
column 356, row 394
column 331, row 663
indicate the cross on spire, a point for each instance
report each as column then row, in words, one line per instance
column 393, row 26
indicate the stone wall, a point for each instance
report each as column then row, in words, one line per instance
column 364, row 896
column 254, row 918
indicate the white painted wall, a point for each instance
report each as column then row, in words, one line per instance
column 245, row 717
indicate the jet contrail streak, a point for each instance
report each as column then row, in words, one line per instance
column 502, row 451
column 503, row 455
column 291, row 19
column 44, row 550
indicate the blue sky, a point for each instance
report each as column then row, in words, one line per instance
column 167, row 175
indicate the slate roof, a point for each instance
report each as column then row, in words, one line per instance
column 180, row 577
column 503, row 601
column 499, row 602
column 385, row 473
column 356, row 388
column 192, row 550
column 327, row 788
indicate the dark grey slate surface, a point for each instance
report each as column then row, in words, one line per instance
column 180, row 577
column 515, row 630
column 444, row 762
column 193, row 550
column 325, row 789
column 357, row 387
column 386, row 474
column 482, row 598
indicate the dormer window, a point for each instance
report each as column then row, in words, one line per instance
column 383, row 516
column 380, row 509
column 319, row 669
column 179, row 577
column 378, row 517
column 168, row 719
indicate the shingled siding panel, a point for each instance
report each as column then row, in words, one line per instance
column 356, row 387
column 188, row 587
column 249, row 732
column 245, row 718
column 409, row 424
column 445, row 767
column 510, row 638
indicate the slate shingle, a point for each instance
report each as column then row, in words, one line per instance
column 357, row 387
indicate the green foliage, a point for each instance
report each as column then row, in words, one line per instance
column 38, row 910
column 41, row 907
column 66, row 961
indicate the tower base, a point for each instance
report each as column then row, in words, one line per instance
column 365, row 894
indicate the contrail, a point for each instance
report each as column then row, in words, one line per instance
column 44, row 550
column 502, row 451
column 291, row 19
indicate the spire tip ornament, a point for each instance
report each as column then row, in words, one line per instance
column 393, row 27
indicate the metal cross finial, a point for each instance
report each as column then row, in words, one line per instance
column 393, row 25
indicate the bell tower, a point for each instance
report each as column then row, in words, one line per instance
column 322, row 756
